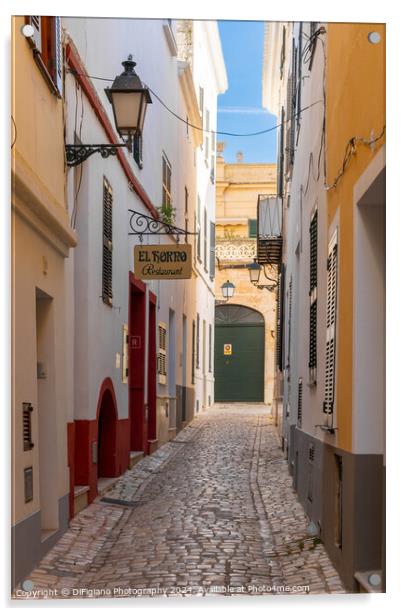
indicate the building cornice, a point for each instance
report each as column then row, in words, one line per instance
column 271, row 66
column 190, row 99
column 78, row 69
column 33, row 202
column 216, row 55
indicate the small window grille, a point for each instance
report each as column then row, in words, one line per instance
column 311, row 452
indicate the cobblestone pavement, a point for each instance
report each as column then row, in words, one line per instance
column 212, row 512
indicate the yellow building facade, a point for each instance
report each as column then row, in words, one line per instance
column 41, row 240
column 238, row 186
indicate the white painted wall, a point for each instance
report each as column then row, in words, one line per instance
column 102, row 45
column 369, row 315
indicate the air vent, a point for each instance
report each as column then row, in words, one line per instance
column 27, row 409
column 311, row 452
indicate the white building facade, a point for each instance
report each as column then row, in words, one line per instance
column 140, row 349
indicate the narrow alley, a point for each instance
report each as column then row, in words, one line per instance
column 211, row 512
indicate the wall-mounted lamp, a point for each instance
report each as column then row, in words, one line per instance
column 129, row 100
column 227, row 290
column 254, row 270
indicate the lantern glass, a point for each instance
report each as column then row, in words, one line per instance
column 254, row 270
column 228, row 289
column 127, row 107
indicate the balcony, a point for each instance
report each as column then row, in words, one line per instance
column 269, row 230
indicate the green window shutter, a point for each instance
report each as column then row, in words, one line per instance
column 252, row 227
column 212, row 248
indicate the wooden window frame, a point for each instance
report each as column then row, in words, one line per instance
column 47, row 46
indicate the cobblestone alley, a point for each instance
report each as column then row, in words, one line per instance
column 211, row 512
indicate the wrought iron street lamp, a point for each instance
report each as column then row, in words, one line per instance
column 227, row 290
column 254, row 270
column 129, row 100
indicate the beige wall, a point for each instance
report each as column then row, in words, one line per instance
column 237, row 189
column 41, row 238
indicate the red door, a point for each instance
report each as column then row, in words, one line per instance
column 152, row 372
column 136, row 371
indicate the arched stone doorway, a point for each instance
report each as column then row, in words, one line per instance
column 107, row 431
column 239, row 354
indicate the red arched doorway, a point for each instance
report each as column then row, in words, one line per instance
column 107, row 431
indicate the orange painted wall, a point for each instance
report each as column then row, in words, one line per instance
column 355, row 107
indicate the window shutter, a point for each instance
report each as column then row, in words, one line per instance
column 281, row 154
column 210, row 349
column 252, row 227
column 330, row 354
column 290, row 298
column 279, row 319
column 212, row 249
column 313, row 296
column 36, row 39
column 198, row 229
column 107, row 269
column 300, row 404
column 205, row 240
column 137, row 149
column 193, row 354
column 197, row 348
column 162, row 331
column 59, row 55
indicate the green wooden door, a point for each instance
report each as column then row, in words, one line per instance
column 239, row 354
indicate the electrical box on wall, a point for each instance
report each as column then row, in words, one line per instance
column 41, row 370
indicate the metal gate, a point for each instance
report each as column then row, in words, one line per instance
column 239, row 354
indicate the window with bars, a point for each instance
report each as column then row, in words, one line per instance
column 283, row 51
column 330, row 345
column 47, row 45
column 312, row 363
column 162, row 334
column 27, row 409
column 300, row 403
column 212, row 250
column 213, row 148
column 107, row 249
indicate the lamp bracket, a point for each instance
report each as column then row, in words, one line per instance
column 77, row 154
column 140, row 225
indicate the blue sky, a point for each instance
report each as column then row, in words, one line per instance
column 240, row 108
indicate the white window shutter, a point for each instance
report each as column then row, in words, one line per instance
column 330, row 351
column 162, row 359
column 36, row 39
column 59, row 54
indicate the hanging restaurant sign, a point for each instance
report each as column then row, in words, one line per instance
column 162, row 262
